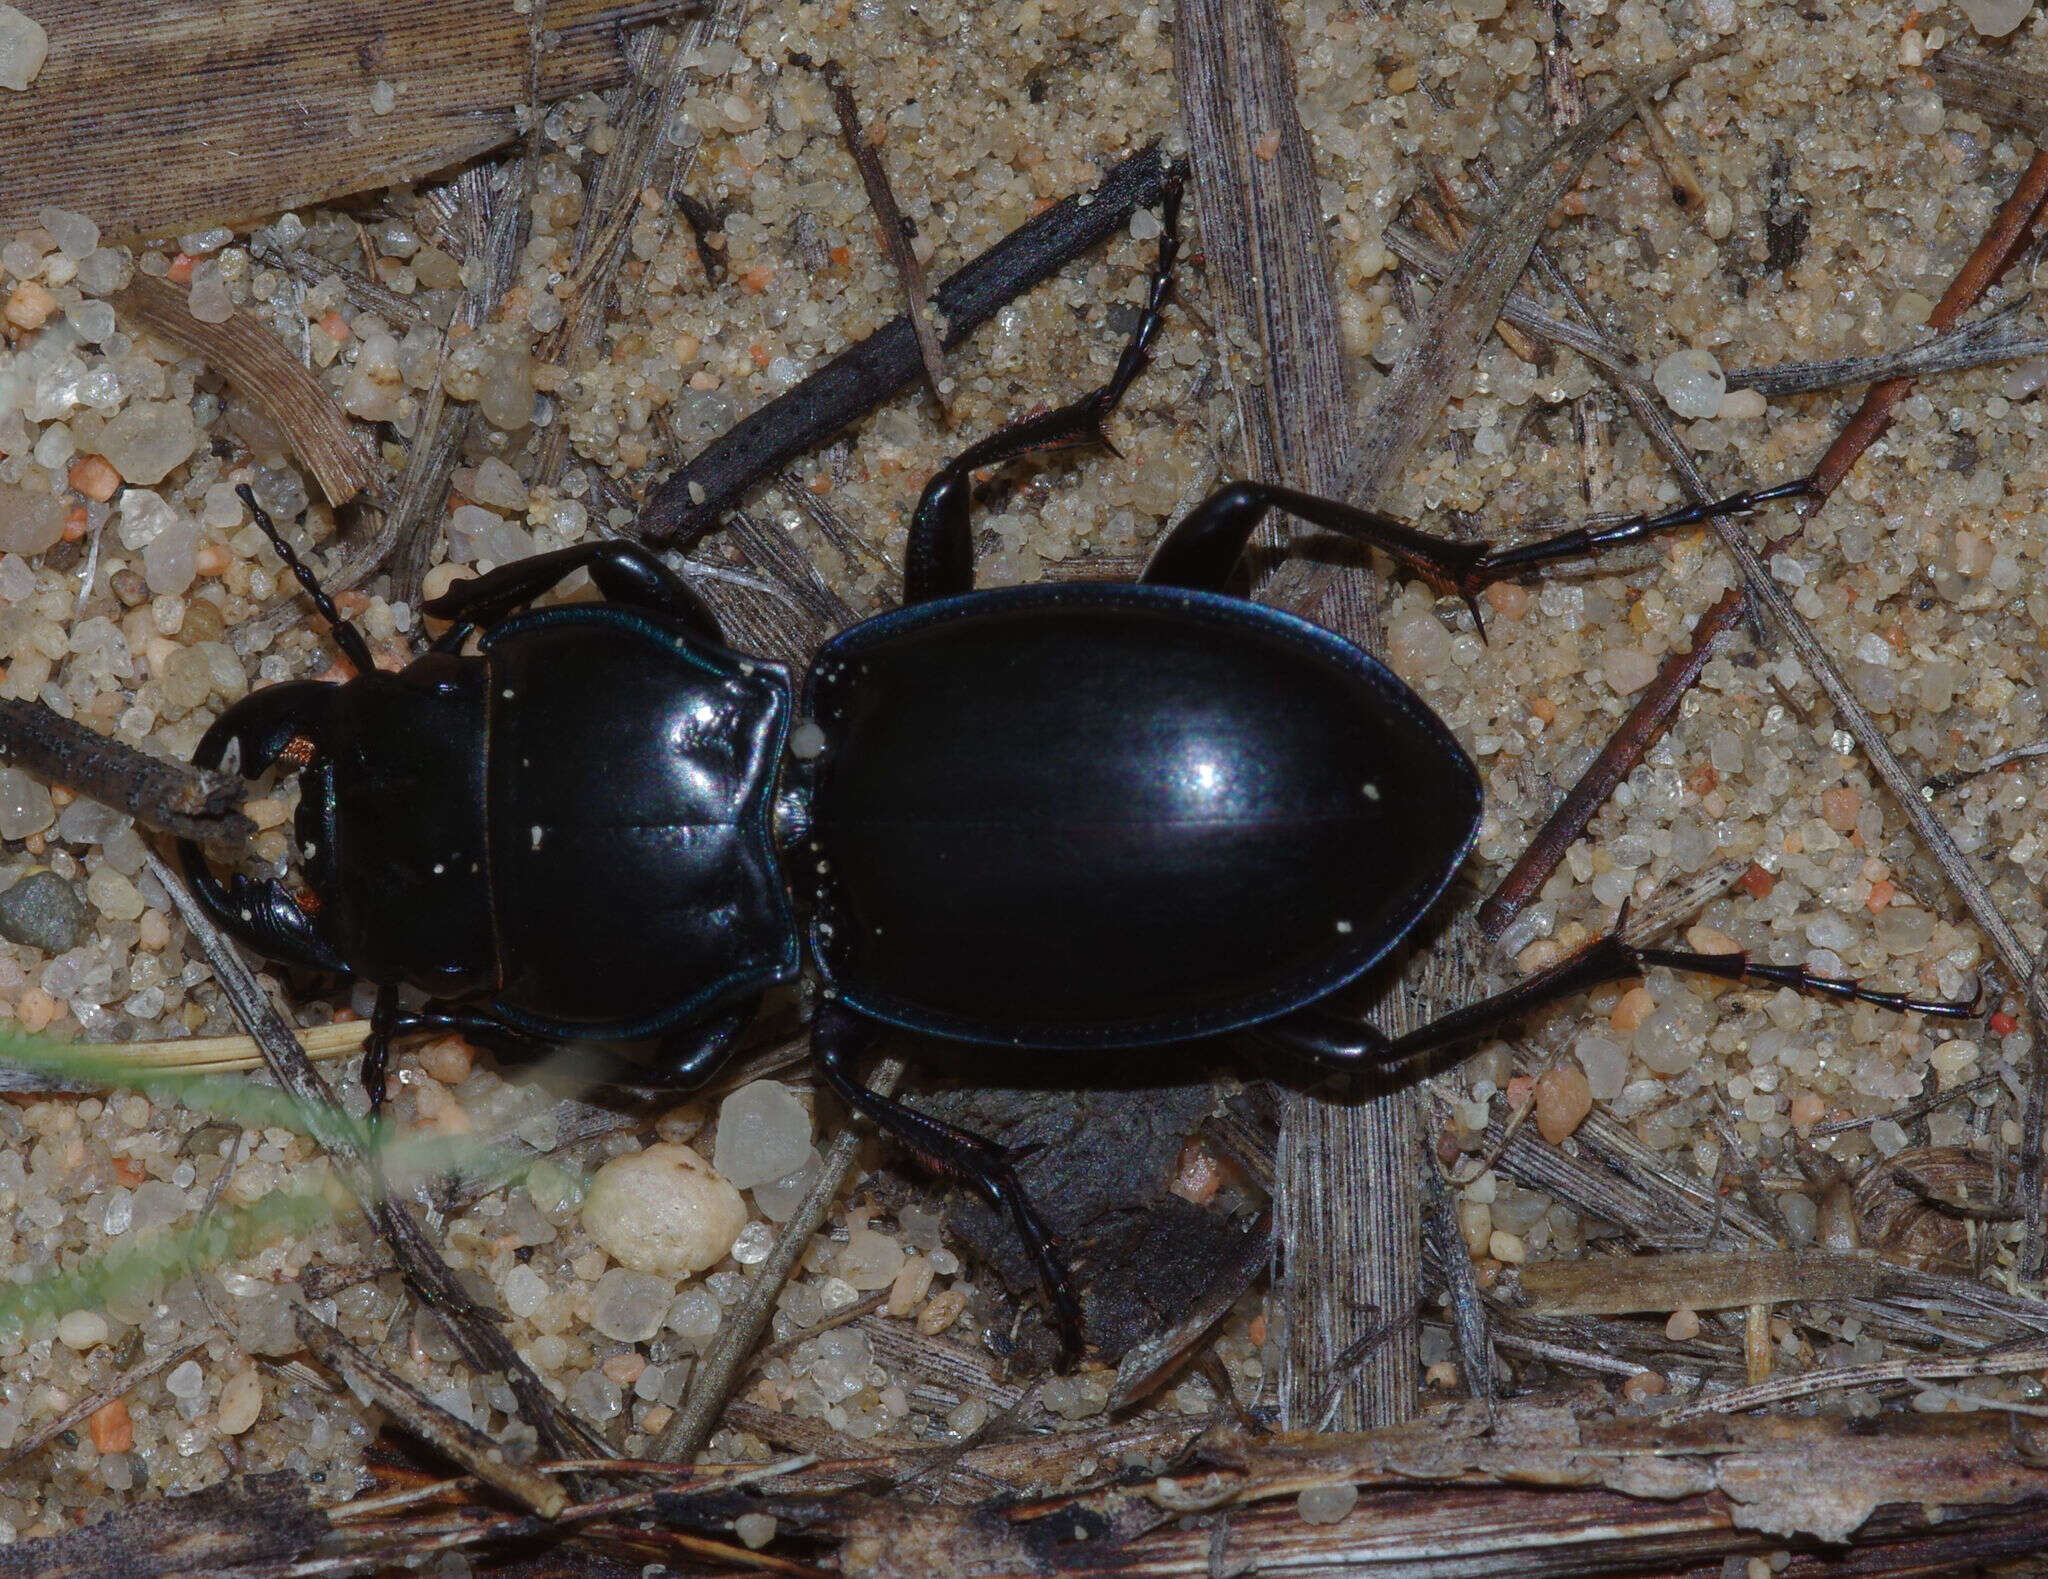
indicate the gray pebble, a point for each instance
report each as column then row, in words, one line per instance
column 43, row 911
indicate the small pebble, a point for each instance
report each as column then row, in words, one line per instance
column 663, row 1211
column 525, row 1291
column 907, row 1292
column 1326, row 1504
column 24, row 46
column 1628, row 669
column 869, row 1260
column 628, row 1306
column 111, row 1428
column 241, row 1401
column 1644, row 1384
column 43, row 911
column 1563, row 1099
column 186, row 1380
column 1991, row 18
column 1504, row 1246
column 1691, row 383
column 82, row 1329
column 149, row 438
column 940, row 1312
column 625, row 1367
column 755, row 1530
column 1683, row 1325
column 764, row 1134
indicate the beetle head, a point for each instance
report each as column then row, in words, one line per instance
column 283, row 722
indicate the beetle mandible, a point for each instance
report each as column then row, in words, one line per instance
column 1061, row 818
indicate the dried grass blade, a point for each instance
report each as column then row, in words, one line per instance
column 256, row 362
column 909, row 272
column 1462, row 313
column 1967, row 80
column 1345, row 1202
column 1784, row 1389
column 175, row 113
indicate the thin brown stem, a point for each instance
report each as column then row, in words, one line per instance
column 1646, row 721
column 2007, row 238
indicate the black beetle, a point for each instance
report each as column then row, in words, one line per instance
column 1059, row 818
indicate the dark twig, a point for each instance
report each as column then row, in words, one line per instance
column 860, row 378
column 916, row 297
column 171, row 797
column 1646, row 721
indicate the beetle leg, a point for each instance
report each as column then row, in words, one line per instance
column 1329, row 1038
column 939, row 560
column 384, row 1026
column 1205, row 546
column 624, row 573
column 838, row 1039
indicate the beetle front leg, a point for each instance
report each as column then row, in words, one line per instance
column 839, row 1038
column 938, row 562
column 624, row 572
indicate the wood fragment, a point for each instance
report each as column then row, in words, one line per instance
column 1346, row 1203
column 1146, row 1365
column 909, row 272
column 1712, row 1280
column 853, row 383
column 255, row 361
column 456, row 1440
column 168, row 796
column 198, row 112
column 1646, row 722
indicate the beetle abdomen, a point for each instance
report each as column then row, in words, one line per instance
column 1119, row 815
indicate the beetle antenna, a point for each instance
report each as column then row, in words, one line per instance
column 346, row 636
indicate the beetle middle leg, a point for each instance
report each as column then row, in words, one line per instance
column 839, row 1038
column 938, row 562
column 1202, row 550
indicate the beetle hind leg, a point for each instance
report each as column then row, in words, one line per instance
column 939, row 560
column 1334, row 1040
column 838, row 1039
